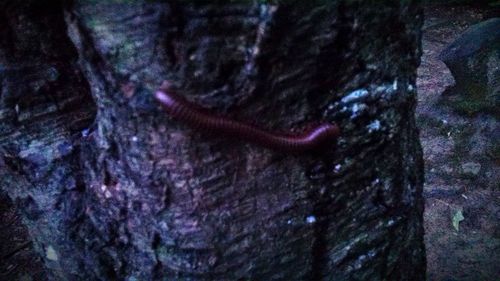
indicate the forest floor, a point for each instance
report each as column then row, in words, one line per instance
column 462, row 159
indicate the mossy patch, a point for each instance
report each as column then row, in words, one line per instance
column 471, row 107
column 470, row 99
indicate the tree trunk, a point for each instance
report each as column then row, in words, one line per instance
column 112, row 188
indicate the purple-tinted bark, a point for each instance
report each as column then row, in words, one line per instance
column 139, row 196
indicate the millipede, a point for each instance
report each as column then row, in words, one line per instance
column 201, row 119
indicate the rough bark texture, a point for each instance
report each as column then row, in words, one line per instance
column 17, row 260
column 115, row 190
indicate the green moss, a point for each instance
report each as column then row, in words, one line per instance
column 471, row 103
column 470, row 97
column 470, row 107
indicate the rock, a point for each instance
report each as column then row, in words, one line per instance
column 474, row 61
column 471, row 168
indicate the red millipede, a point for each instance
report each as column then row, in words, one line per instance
column 179, row 108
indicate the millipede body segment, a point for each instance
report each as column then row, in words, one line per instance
column 198, row 118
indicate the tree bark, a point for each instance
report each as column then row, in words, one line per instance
column 111, row 188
